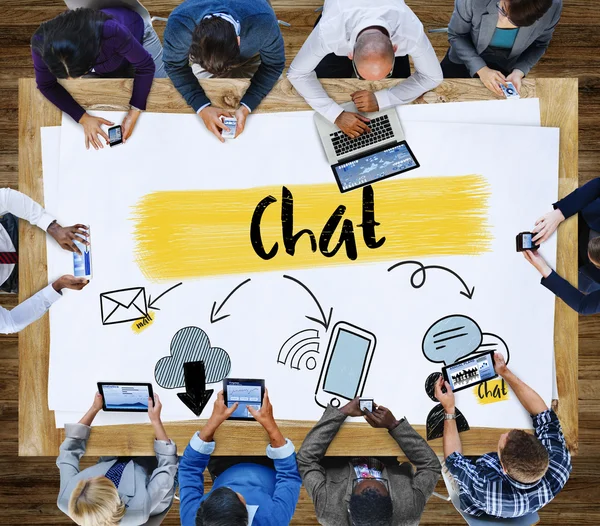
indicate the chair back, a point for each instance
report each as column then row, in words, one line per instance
column 526, row 520
column 134, row 5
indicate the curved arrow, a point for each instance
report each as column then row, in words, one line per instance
column 151, row 303
column 324, row 321
column 422, row 269
column 213, row 313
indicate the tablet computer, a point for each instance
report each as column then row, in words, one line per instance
column 370, row 167
column 131, row 396
column 246, row 392
column 470, row 372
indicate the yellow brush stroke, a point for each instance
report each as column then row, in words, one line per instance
column 491, row 392
column 141, row 325
column 193, row 234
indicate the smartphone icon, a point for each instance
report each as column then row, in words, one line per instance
column 346, row 365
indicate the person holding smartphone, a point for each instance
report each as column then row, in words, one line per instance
column 245, row 490
column 499, row 41
column 524, row 474
column 584, row 201
column 116, row 490
column 111, row 42
column 367, row 491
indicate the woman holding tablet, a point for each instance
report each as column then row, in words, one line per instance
column 106, row 43
column 499, row 40
column 116, row 490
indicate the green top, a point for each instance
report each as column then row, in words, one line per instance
column 504, row 38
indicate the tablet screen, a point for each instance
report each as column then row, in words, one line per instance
column 471, row 372
column 246, row 393
column 123, row 397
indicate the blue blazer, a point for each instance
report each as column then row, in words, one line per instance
column 586, row 200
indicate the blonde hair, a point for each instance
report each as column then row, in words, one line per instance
column 96, row 502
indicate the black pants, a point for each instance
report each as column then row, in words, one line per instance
column 333, row 66
column 494, row 59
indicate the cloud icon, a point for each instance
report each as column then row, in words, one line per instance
column 191, row 344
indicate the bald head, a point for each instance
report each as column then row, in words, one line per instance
column 373, row 54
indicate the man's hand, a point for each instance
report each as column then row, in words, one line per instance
column 211, row 117
column 265, row 418
column 352, row 124
column 447, row 398
column 97, row 404
column 154, row 409
column 381, row 417
column 546, row 225
column 352, row 408
column 500, row 364
column 69, row 282
column 92, row 127
column 128, row 123
column 516, row 77
column 365, row 101
column 240, row 115
column 534, row 257
column 492, row 79
column 220, row 413
column 65, row 235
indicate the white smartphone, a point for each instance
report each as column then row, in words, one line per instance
column 510, row 92
column 231, row 123
column 346, row 365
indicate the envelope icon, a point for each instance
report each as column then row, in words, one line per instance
column 122, row 306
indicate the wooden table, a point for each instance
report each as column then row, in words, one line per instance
column 37, row 432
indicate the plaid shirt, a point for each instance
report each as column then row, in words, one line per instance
column 486, row 490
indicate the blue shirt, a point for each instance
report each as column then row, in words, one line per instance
column 504, row 38
column 275, row 492
column 486, row 490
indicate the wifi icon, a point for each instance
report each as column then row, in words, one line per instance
column 300, row 350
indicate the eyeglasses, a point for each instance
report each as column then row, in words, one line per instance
column 503, row 12
column 388, row 76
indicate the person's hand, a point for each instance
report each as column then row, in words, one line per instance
column 546, row 225
column 240, row 115
column 128, row 123
column 264, row 416
column 447, row 398
column 97, row 404
column 381, row 417
column 69, row 282
column 352, row 408
column 352, row 124
column 516, row 77
column 154, row 409
column 65, row 235
column 536, row 259
column 365, row 101
column 211, row 117
column 219, row 414
column 92, row 127
column 492, row 79
column 500, row 363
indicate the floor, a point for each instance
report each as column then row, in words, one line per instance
column 28, row 486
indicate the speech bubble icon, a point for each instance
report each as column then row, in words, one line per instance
column 493, row 343
column 451, row 338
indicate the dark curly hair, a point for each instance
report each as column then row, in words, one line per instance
column 370, row 508
column 215, row 46
column 222, row 508
column 70, row 43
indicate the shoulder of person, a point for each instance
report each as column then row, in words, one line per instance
column 114, row 29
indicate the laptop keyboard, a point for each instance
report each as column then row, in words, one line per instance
column 381, row 130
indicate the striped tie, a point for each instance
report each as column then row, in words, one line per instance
column 8, row 258
column 115, row 472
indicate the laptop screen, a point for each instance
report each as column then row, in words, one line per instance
column 374, row 166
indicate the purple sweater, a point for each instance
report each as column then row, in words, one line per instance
column 121, row 46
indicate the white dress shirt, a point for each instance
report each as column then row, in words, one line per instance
column 30, row 310
column 336, row 32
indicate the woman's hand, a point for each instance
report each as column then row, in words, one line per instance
column 516, row 77
column 92, row 127
column 492, row 79
column 88, row 418
column 535, row 258
column 154, row 409
column 128, row 123
column 546, row 225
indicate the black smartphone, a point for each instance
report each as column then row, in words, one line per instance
column 525, row 241
column 246, row 392
column 131, row 396
column 472, row 371
column 115, row 135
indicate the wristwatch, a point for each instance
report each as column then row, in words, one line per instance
column 449, row 416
